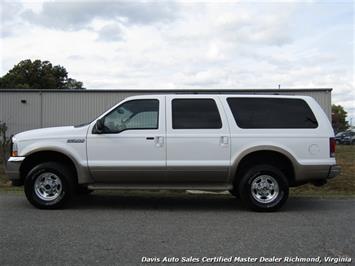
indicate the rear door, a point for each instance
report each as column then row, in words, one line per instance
column 198, row 140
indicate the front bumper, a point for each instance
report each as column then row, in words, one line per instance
column 12, row 169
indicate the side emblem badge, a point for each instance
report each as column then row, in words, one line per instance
column 75, row 140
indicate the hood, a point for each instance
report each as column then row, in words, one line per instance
column 52, row 132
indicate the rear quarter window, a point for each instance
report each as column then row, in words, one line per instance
column 272, row 113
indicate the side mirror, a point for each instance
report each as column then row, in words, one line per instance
column 99, row 126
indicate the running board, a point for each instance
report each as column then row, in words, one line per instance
column 155, row 187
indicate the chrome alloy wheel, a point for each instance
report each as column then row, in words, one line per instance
column 48, row 186
column 264, row 189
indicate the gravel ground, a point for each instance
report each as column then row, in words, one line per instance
column 123, row 229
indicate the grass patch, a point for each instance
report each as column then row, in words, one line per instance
column 4, row 180
column 341, row 186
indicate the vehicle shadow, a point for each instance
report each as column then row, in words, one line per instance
column 156, row 201
column 183, row 201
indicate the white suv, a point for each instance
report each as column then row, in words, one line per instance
column 254, row 146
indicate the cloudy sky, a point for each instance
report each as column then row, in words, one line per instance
column 190, row 44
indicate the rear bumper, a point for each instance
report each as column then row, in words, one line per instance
column 309, row 173
column 12, row 169
column 334, row 170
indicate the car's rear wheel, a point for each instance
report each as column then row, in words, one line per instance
column 263, row 188
column 49, row 185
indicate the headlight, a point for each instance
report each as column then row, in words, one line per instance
column 13, row 148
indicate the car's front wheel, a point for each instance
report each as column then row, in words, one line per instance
column 263, row 188
column 49, row 185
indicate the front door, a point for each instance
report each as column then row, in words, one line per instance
column 132, row 147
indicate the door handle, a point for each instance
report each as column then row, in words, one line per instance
column 149, row 138
column 224, row 140
column 159, row 141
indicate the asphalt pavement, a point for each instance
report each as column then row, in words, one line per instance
column 132, row 229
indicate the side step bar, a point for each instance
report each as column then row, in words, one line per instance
column 158, row 186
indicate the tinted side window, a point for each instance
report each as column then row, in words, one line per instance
column 135, row 114
column 195, row 114
column 272, row 113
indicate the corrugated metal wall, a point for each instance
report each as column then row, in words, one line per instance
column 23, row 109
column 74, row 108
column 20, row 116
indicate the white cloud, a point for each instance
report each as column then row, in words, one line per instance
column 73, row 15
column 123, row 45
column 110, row 32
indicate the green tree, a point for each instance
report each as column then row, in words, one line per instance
column 40, row 75
column 4, row 142
column 339, row 122
column 73, row 84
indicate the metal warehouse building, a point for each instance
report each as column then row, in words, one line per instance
column 28, row 109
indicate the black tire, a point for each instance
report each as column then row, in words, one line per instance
column 255, row 199
column 52, row 170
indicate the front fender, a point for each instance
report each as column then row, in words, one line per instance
column 75, row 151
